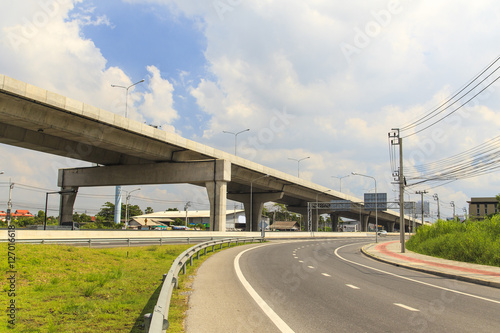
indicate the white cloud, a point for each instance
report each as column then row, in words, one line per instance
column 158, row 105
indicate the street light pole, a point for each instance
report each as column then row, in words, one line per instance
column 235, row 138
column 118, row 189
column 340, row 180
column 298, row 164
column 126, row 205
column 126, row 93
column 376, row 203
column 263, row 232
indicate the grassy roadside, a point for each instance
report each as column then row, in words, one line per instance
column 75, row 289
column 471, row 241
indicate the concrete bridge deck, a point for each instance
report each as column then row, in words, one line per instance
column 128, row 152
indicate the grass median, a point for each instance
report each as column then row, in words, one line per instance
column 75, row 289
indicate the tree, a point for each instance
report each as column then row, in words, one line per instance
column 148, row 210
column 108, row 211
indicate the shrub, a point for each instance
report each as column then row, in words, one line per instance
column 471, row 241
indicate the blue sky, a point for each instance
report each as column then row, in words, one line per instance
column 325, row 79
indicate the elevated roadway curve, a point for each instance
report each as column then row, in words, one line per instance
column 129, row 153
column 329, row 286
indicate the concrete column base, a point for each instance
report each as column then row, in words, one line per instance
column 217, row 195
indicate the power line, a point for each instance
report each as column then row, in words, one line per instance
column 438, row 110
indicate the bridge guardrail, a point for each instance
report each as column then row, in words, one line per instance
column 157, row 322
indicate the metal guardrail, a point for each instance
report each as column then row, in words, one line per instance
column 157, row 322
column 119, row 241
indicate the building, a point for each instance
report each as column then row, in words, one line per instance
column 285, row 226
column 17, row 214
column 235, row 219
column 482, row 207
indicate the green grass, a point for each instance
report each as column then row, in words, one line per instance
column 76, row 289
column 472, row 241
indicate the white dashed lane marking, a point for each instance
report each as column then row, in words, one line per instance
column 352, row 286
column 406, row 307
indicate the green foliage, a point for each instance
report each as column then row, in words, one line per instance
column 471, row 241
column 178, row 221
column 107, row 211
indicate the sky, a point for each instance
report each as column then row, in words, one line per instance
column 324, row 79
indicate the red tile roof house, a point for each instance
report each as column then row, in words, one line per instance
column 18, row 213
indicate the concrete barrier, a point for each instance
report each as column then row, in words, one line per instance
column 26, row 234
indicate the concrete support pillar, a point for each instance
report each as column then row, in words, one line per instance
column 66, row 204
column 364, row 223
column 217, row 195
column 315, row 220
column 390, row 226
column 335, row 221
column 258, row 201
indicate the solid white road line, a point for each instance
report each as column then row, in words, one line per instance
column 409, row 279
column 280, row 324
column 406, row 307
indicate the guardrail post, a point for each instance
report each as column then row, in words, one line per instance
column 198, row 254
column 206, row 250
column 184, row 269
column 128, row 241
column 189, row 241
column 90, row 243
column 161, row 243
column 147, row 322
column 191, row 261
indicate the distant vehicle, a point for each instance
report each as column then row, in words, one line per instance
column 180, row 227
column 382, row 232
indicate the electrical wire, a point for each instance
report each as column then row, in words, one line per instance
column 434, row 112
column 452, row 112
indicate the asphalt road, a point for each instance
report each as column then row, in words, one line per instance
column 329, row 286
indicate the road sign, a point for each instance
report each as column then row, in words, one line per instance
column 371, row 199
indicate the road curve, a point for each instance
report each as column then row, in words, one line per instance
column 329, row 286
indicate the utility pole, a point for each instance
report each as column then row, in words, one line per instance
column 396, row 140
column 422, row 202
column 452, row 204
column 186, row 206
column 436, row 197
column 9, row 205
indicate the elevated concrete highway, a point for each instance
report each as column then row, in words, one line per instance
column 131, row 153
